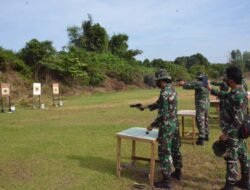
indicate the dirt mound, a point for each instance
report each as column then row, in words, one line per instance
column 21, row 88
column 111, row 84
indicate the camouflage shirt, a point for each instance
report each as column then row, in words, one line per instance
column 202, row 101
column 235, row 110
column 223, row 85
column 167, row 107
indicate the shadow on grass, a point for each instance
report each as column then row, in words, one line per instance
column 201, row 183
column 95, row 163
column 107, row 166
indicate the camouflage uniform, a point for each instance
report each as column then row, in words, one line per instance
column 168, row 137
column 223, row 88
column 223, row 85
column 202, row 104
column 233, row 116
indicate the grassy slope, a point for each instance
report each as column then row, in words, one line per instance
column 73, row 147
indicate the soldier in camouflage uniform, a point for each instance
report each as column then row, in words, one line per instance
column 223, row 88
column 202, row 104
column 233, row 116
column 167, row 122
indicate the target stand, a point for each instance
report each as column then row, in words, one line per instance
column 36, row 98
column 5, row 97
column 56, row 95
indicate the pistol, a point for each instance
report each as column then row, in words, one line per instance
column 138, row 106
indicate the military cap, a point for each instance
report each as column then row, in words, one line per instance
column 199, row 75
column 162, row 74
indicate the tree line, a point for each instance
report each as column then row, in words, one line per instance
column 92, row 55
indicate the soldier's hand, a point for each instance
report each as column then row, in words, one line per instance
column 182, row 82
column 209, row 87
column 142, row 108
column 223, row 137
column 149, row 128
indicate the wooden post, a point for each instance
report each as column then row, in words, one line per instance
column 9, row 104
column 152, row 164
column 39, row 101
column 53, row 96
column 182, row 124
column 2, row 110
column 118, row 157
column 133, row 151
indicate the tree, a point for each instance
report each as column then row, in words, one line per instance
column 35, row 52
column 246, row 59
column 92, row 37
column 237, row 60
column 189, row 61
column 197, row 68
column 75, row 36
column 118, row 44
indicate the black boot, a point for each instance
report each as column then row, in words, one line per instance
column 164, row 184
column 228, row 186
column 177, row 174
column 206, row 138
column 243, row 183
column 200, row 141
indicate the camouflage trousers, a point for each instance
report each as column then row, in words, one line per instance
column 236, row 151
column 169, row 149
column 202, row 123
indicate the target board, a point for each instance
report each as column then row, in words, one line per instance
column 56, row 88
column 5, row 89
column 36, row 89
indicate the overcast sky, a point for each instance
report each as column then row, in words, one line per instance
column 160, row 28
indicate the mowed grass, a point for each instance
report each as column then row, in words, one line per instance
column 74, row 146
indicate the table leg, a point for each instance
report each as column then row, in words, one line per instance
column 152, row 164
column 193, row 131
column 118, row 157
column 133, row 151
column 218, row 111
column 182, row 125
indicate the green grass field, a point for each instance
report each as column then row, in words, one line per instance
column 73, row 147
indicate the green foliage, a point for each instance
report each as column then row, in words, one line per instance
column 92, row 37
column 118, row 44
column 35, row 52
column 216, row 70
column 197, row 68
column 237, row 59
column 246, row 59
column 91, row 57
column 96, row 74
column 9, row 60
column 68, row 66
column 196, row 59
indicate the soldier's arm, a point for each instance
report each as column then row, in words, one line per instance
column 215, row 83
column 191, row 85
column 164, row 113
column 238, row 113
column 153, row 106
column 219, row 94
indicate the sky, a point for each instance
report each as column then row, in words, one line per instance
column 163, row 29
